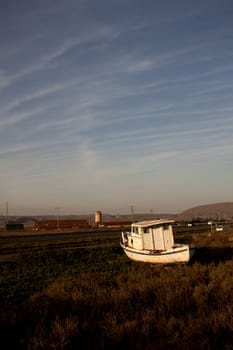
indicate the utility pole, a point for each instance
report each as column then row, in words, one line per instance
column 6, row 212
column 58, row 217
column 132, row 212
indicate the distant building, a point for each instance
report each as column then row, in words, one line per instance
column 116, row 224
column 14, row 226
column 60, row 224
column 98, row 217
column 219, row 228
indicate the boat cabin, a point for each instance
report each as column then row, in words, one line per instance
column 155, row 235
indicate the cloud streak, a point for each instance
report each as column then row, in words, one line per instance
column 129, row 95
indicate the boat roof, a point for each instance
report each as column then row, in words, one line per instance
column 149, row 223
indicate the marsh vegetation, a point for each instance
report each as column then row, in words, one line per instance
column 91, row 296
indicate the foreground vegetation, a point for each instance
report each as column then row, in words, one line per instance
column 94, row 297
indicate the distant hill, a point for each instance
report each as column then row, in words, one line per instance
column 213, row 211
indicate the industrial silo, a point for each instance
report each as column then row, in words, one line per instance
column 98, row 217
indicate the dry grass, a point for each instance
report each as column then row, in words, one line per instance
column 106, row 302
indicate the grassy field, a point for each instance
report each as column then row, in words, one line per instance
column 84, row 293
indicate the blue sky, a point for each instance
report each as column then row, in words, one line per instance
column 110, row 104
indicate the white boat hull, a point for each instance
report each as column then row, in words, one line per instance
column 179, row 254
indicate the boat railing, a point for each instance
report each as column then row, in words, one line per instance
column 124, row 238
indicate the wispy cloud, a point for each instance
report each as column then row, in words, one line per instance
column 42, row 92
column 4, row 78
column 27, row 146
column 18, row 117
column 115, row 92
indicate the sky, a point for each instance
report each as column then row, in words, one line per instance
column 115, row 105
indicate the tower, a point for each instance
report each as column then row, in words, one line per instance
column 98, row 217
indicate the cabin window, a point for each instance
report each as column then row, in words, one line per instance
column 166, row 227
column 136, row 230
column 146, row 230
